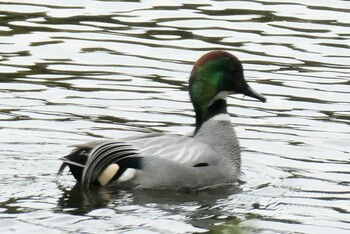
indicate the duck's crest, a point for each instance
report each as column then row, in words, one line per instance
column 209, row 56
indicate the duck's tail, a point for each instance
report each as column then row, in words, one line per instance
column 76, row 161
column 101, row 164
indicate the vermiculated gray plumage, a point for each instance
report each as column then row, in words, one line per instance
column 168, row 161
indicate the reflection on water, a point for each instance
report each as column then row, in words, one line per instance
column 81, row 201
column 78, row 200
column 74, row 71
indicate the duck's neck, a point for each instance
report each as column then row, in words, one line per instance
column 206, row 113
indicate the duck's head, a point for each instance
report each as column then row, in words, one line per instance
column 215, row 76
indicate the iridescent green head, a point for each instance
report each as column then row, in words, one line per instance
column 214, row 76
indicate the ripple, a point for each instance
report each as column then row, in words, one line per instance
column 75, row 71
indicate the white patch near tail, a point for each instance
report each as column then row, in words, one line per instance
column 127, row 175
column 108, row 174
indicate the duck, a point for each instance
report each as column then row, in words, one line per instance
column 208, row 157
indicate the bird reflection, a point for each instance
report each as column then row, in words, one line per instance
column 80, row 200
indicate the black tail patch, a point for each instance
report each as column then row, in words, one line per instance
column 87, row 164
column 76, row 161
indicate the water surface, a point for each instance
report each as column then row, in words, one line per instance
column 75, row 71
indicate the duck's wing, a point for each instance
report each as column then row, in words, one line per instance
column 181, row 149
column 77, row 159
column 146, row 161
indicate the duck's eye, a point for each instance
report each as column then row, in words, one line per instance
column 232, row 69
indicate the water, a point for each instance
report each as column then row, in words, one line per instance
column 75, row 71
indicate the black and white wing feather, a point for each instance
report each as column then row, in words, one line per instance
column 104, row 155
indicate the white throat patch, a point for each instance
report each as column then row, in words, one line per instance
column 221, row 117
column 222, row 95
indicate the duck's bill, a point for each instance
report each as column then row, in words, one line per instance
column 251, row 93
